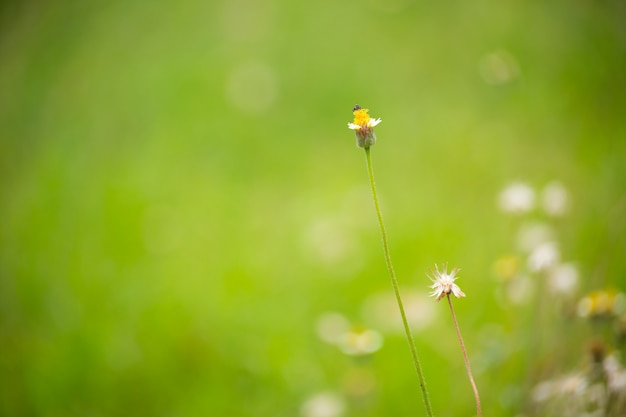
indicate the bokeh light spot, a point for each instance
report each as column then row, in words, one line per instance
column 517, row 198
column 331, row 327
column 499, row 67
column 324, row 404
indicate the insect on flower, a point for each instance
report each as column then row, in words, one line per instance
column 363, row 126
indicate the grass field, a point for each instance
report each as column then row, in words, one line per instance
column 186, row 225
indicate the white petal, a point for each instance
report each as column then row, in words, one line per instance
column 353, row 126
column 457, row 291
column 373, row 122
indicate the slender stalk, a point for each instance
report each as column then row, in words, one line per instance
column 479, row 411
column 394, row 283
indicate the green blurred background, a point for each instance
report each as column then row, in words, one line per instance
column 184, row 213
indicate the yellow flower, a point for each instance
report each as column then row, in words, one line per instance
column 363, row 126
column 601, row 304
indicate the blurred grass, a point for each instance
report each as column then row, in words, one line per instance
column 181, row 200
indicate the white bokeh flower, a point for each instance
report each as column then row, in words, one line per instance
column 332, row 326
column 443, row 283
column 563, row 278
column 544, row 257
column 324, row 404
column 532, row 234
column 358, row 342
column 517, row 198
column 520, row 289
column 555, row 199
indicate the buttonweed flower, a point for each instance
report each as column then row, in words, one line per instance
column 443, row 283
column 363, row 126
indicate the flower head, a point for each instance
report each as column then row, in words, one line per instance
column 517, row 198
column 363, row 126
column 443, row 283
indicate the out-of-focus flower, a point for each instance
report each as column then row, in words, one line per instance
column 543, row 391
column 359, row 342
column 443, row 283
column 598, row 391
column 533, row 234
column 335, row 329
column 324, row 404
column 506, row 267
column 601, row 304
column 332, row 326
column 520, row 289
column 363, row 126
column 573, row 395
column 554, row 199
column 517, row 198
column 563, row 278
column 543, row 257
column 331, row 243
column 615, row 373
column 574, row 384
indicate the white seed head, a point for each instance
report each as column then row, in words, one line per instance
column 443, row 283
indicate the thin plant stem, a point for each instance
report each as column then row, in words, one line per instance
column 479, row 411
column 394, row 283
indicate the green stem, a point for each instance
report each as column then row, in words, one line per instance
column 394, row 283
column 479, row 411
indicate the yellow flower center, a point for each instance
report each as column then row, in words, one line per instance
column 361, row 117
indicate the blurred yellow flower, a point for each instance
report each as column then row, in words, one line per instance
column 601, row 304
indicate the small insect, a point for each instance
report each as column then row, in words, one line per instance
column 356, row 107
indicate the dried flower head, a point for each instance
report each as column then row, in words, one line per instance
column 443, row 283
column 363, row 126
